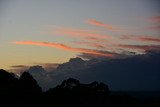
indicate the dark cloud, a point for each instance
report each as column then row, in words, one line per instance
column 132, row 72
column 49, row 66
column 137, row 72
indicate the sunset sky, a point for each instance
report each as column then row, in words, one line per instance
column 53, row 31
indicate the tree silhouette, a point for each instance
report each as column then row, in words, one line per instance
column 69, row 83
column 8, row 82
column 28, row 84
column 6, row 78
column 25, row 92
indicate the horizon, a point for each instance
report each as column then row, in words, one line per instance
column 140, row 71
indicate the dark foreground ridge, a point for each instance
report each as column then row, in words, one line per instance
column 25, row 92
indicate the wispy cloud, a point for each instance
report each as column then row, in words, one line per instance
column 142, row 38
column 101, row 24
column 154, row 19
column 92, row 56
column 141, row 47
column 81, row 33
column 96, row 40
column 18, row 66
column 47, row 66
column 152, row 39
column 98, row 23
column 156, row 22
column 156, row 27
column 65, row 47
column 96, row 45
column 18, row 69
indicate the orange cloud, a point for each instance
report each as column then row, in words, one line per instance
column 101, row 24
column 81, row 33
column 65, row 47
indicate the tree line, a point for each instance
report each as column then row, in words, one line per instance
column 25, row 92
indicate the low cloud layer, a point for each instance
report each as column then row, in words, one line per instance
column 19, row 69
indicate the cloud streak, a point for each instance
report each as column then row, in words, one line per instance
column 64, row 47
column 18, row 69
column 157, row 28
column 142, row 38
column 96, row 45
column 152, row 39
column 19, row 66
column 81, row 33
column 155, row 19
column 141, row 47
column 101, row 24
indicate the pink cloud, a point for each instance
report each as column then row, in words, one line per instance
column 152, row 39
column 141, row 47
column 142, row 38
column 98, row 23
column 157, row 27
column 101, row 24
column 96, row 45
column 81, row 33
column 155, row 19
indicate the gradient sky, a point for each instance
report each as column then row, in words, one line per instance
column 52, row 31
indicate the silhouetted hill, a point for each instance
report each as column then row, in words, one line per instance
column 16, row 92
column 8, row 83
column 28, row 84
column 74, row 86
column 25, row 92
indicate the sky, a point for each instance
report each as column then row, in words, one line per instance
column 53, row 31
